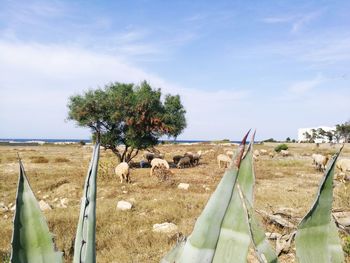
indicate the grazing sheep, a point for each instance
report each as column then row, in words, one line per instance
column 320, row 161
column 343, row 165
column 190, row 155
column 177, row 158
column 263, row 152
column 184, row 161
column 224, row 160
column 284, row 153
column 122, row 170
column 158, row 163
column 195, row 160
column 271, row 154
column 150, row 156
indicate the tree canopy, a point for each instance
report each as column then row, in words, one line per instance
column 128, row 117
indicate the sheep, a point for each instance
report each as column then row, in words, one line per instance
column 184, row 161
column 343, row 165
column 190, row 155
column 320, row 161
column 177, row 158
column 263, row 152
column 158, row 163
column 224, row 159
column 195, row 159
column 150, row 156
column 284, row 153
column 122, row 170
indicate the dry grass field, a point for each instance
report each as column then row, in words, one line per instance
column 57, row 172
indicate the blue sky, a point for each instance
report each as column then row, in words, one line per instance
column 271, row 65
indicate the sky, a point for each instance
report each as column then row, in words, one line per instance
column 274, row 66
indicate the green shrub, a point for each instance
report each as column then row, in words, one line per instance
column 346, row 246
column 281, row 147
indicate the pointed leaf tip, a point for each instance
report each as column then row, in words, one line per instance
column 238, row 160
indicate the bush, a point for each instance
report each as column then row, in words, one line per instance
column 82, row 143
column 346, row 246
column 269, row 140
column 281, row 147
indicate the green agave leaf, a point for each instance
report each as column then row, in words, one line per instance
column 261, row 245
column 317, row 237
column 85, row 247
column 174, row 253
column 31, row 239
column 200, row 245
column 234, row 239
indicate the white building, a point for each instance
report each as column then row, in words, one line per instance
column 302, row 131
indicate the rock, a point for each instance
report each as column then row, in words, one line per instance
column 55, row 200
column 183, row 186
column 46, row 196
column 44, row 206
column 6, row 216
column 3, row 207
column 165, row 228
column 64, row 202
column 125, row 192
column 124, row 205
column 13, row 208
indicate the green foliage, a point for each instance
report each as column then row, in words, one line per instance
column 288, row 139
column 281, row 147
column 346, row 247
column 317, row 237
column 343, row 131
column 222, row 232
column 127, row 114
column 85, row 239
column 31, row 239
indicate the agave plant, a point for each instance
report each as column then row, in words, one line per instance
column 317, row 237
column 31, row 240
column 222, row 232
column 228, row 224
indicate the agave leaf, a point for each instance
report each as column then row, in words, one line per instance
column 200, row 245
column 234, row 239
column 261, row 245
column 317, row 238
column 31, row 239
column 85, row 247
column 174, row 253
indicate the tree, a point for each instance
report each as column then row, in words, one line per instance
column 287, row 139
column 128, row 117
column 342, row 131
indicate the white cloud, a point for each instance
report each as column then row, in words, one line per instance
column 37, row 80
column 304, row 86
column 297, row 21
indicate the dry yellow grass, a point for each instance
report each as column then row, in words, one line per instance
column 126, row 236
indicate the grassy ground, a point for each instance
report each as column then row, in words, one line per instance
column 57, row 172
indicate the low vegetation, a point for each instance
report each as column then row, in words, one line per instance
column 126, row 236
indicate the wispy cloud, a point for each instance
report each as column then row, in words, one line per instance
column 52, row 73
column 296, row 21
column 304, row 86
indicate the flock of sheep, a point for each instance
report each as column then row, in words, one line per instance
column 157, row 161
column 189, row 159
